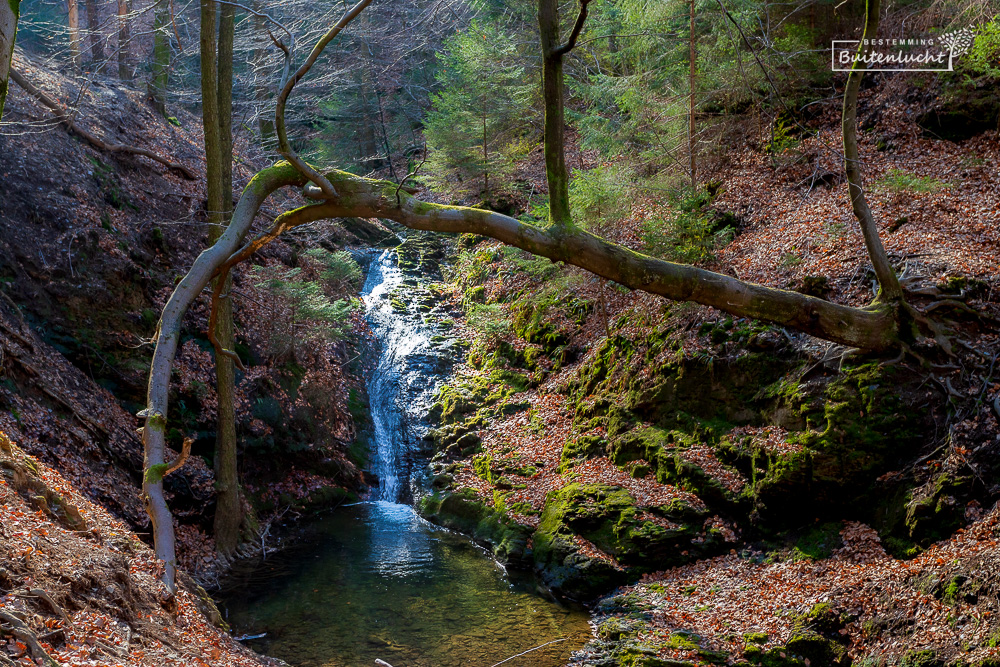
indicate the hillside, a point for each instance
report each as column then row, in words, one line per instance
column 599, row 435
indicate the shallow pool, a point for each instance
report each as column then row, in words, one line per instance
column 374, row 580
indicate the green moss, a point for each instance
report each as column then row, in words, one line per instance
column 819, row 543
column 935, row 513
column 607, row 517
column 154, row 473
column 926, row 658
column 467, row 513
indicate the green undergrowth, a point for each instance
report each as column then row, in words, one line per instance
column 466, row 513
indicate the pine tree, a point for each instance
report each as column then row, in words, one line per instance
column 483, row 109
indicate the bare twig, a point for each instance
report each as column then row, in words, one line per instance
column 411, row 175
column 554, row 641
column 284, row 147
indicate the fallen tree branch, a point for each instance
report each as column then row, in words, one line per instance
column 21, row 630
column 554, row 641
column 94, row 140
column 52, row 604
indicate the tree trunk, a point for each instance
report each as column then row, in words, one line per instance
column 9, row 12
column 229, row 505
column 888, row 282
column 160, row 76
column 94, row 27
column 262, row 91
column 168, row 334
column 217, row 88
column 124, row 11
column 692, row 80
column 73, row 10
column 552, row 88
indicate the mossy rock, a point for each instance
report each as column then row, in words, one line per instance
column 921, row 658
column 468, row 514
column 804, row 648
column 615, row 628
column 936, row 510
column 607, row 517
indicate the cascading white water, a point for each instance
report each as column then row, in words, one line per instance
column 400, row 371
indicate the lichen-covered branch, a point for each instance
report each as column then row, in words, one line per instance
column 167, row 338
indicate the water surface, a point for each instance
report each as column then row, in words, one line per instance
column 375, row 580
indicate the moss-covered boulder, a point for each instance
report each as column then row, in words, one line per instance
column 632, row 540
column 467, row 513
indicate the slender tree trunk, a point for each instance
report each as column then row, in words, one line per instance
column 75, row 53
column 124, row 12
column 552, row 90
column 888, row 282
column 229, row 506
column 9, row 12
column 486, row 157
column 160, row 76
column 692, row 81
column 262, row 90
column 96, row 38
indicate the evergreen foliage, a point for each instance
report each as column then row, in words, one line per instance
column 481, row 120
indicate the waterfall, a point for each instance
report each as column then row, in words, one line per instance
column 401, row 370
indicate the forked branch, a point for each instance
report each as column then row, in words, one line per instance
column 284, row 147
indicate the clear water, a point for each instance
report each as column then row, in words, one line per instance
column 374, row 580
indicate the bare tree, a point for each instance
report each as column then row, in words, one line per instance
column 94, row 28
column 124, row 38
column 75, row 51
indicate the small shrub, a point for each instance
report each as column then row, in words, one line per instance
column 600, row 195
column 898, row 180
column 336, row 267
column 489, row 319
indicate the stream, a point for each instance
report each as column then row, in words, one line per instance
column 374, row 579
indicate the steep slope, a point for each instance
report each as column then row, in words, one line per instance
column 91, row 243
column 602, row 436
column 78, row 586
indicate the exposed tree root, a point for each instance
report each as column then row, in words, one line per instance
column 97, row 142
column 20, row 630
column 52, row 604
